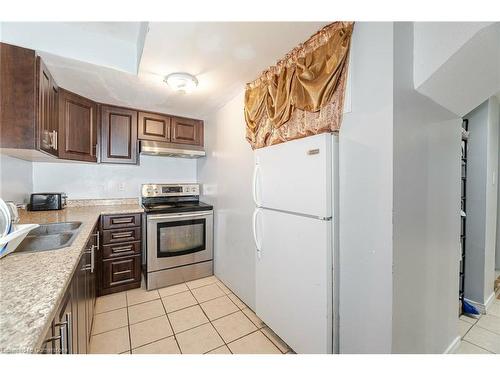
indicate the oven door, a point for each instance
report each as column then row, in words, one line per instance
column 179, row 239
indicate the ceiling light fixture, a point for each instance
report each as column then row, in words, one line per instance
column 182, row 82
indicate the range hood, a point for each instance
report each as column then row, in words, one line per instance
column 172, row 150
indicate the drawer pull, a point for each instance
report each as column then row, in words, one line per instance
column 122, row 221
column 122, row 272
column 122, row 235
column 122, row 249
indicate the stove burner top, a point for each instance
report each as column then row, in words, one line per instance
column 173, row 207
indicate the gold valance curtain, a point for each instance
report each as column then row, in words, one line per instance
column 303, row 94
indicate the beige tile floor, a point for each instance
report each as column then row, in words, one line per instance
column 200, row 316
column 481, row 336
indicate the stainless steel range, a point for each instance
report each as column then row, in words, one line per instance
column 179, row 234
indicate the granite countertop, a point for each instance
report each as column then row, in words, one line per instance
column 32, row 285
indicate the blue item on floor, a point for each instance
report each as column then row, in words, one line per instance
column 469, row 309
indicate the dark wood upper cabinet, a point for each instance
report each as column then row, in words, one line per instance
column 77, row 138
column 118, row 135
column 17, row 97
column 154, row 127
column 37, row 115
column 47, row 114
column 187, row 131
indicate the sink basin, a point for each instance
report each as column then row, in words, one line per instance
column 47, row 242
column 50, row 237
column 55, row 228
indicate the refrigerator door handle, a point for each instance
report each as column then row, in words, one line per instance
column 254, row 225
column 254, row 189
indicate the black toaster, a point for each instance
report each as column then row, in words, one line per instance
column 47, row 201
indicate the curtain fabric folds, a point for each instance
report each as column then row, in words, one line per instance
column 303, row 94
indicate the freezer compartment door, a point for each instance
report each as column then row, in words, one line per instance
column 295, row 176
column 294, row 279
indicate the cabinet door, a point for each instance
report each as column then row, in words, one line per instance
column 187, row 131
column 17, row 97
column 90, row 290
column 64, row 326
column 47, row 115
column 81, row 308
column 77, row 127
column 118, row 135
column 154, row 127
column 121, row 221
column 52, row 341
column 121, row 274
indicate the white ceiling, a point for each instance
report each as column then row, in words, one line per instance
column 124, row 31
column 222, row 55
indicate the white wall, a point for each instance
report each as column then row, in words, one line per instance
column 366, row 195
column 426, row 213
column 476, row 204
column 436, row 42
column 482, row 191
column 16, row 179
column 492, row 169
column 497, row 255
column 75, row 41
column 84, row 181
column 471, row 74
column 226, row 175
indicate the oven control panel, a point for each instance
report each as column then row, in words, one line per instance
column 169, row 190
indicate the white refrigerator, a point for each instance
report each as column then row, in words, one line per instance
column 295, row 225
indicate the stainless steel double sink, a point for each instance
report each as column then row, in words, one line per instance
column 50, row 237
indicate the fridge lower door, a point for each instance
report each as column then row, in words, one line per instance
column 294, row 279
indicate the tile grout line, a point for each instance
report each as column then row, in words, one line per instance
column 171, row 327
column 479, row 346
column 128, row 320
column 109, row 330
column 152, row 342
column 174, row 334
column 215, row 329
column 230, row 352
column 489, row 330
column 272, row 342
column 259, row 329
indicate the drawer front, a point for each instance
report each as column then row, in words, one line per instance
column 120, row 235
column 121, row 221
column 118, row 272
column 121, row 249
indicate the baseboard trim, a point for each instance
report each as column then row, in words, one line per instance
column 482, row 307
column 489, row 301
column 452, row 348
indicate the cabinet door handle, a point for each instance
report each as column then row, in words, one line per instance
column 92, row 259
column 54, row 139
column 97, row 239
column 66, row 334
column 53, row 338
column 121, row 249
column 122, row 235
column 122, row 221
column 121, row 272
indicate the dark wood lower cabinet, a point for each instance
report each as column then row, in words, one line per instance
column 106, row 266
column 70, row 331
column 81, row 305
column 119, row 260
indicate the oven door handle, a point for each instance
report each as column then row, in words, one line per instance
column 174, row 216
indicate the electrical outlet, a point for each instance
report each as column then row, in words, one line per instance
column 121, row 186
